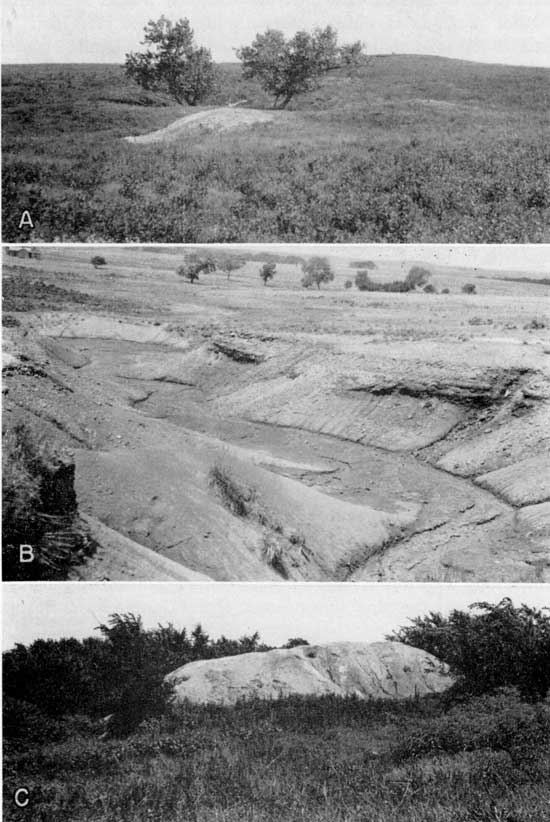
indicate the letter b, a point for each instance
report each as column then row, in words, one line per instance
column 26, row 553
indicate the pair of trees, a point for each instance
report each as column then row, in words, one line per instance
column 197, row 264
column 284, row 67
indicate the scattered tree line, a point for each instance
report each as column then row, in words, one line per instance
column 172, row 61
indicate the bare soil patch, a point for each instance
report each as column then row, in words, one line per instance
column 215, row 119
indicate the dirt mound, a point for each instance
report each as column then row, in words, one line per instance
column 215, row 119
column 377, row 670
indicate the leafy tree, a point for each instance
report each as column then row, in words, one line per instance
column 417, row 276
column 316, row 270
column 97, row 261
column 489, row 647
column 229, row 263
column 295, row 642
column 469, row 288
column 172, row 62
column 267, row 271
column 286, row 68
column 194, row 265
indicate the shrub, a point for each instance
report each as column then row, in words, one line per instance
column 469, row 288
column 417, row 276
column 97, row 261
column 348, row 284
column 430, row 289
column 445, row 291
column 267, row 271
column 234, row 495
column 536, row 324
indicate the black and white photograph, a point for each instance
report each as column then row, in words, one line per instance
column 275, row 400
column 276, row 413
column 383, row 121
column 264, row 703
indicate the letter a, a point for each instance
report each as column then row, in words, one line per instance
column 26, row 220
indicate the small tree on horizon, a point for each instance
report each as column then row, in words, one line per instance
column 316, row 270
column 172, row 62
column 417, row 276
column 285, row 68
column 229, row 263
column 267, row 271
column 194, row 265
column 97, row 261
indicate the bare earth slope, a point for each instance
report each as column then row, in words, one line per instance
column 243, row 432
column 368, row 670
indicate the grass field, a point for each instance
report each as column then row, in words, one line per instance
column 410, row 149
column 322, row 759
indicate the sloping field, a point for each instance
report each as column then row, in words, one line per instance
column 377, row 670
column 243, row 432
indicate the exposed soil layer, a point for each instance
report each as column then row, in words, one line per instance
column 229, row 431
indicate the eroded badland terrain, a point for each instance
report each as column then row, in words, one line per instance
column 228, row 430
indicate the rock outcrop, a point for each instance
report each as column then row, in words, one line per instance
column 389, row 670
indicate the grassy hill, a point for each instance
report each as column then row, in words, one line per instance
column 410, row 148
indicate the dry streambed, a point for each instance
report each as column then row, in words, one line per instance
column 239, row 457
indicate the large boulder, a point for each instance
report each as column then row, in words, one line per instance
column 389, row 670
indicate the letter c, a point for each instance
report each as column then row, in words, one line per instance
column 21, row 797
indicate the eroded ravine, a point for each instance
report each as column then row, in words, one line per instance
column 459, row 525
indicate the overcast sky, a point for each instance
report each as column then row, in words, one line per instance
column 317, row 612
column 499, row 31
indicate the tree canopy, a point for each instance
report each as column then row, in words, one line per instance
column 267, row 271
column 194, row 265
column 229, row 263
column 316, row 270
column 286, row 68
column 172, row 62
column 489, row 646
